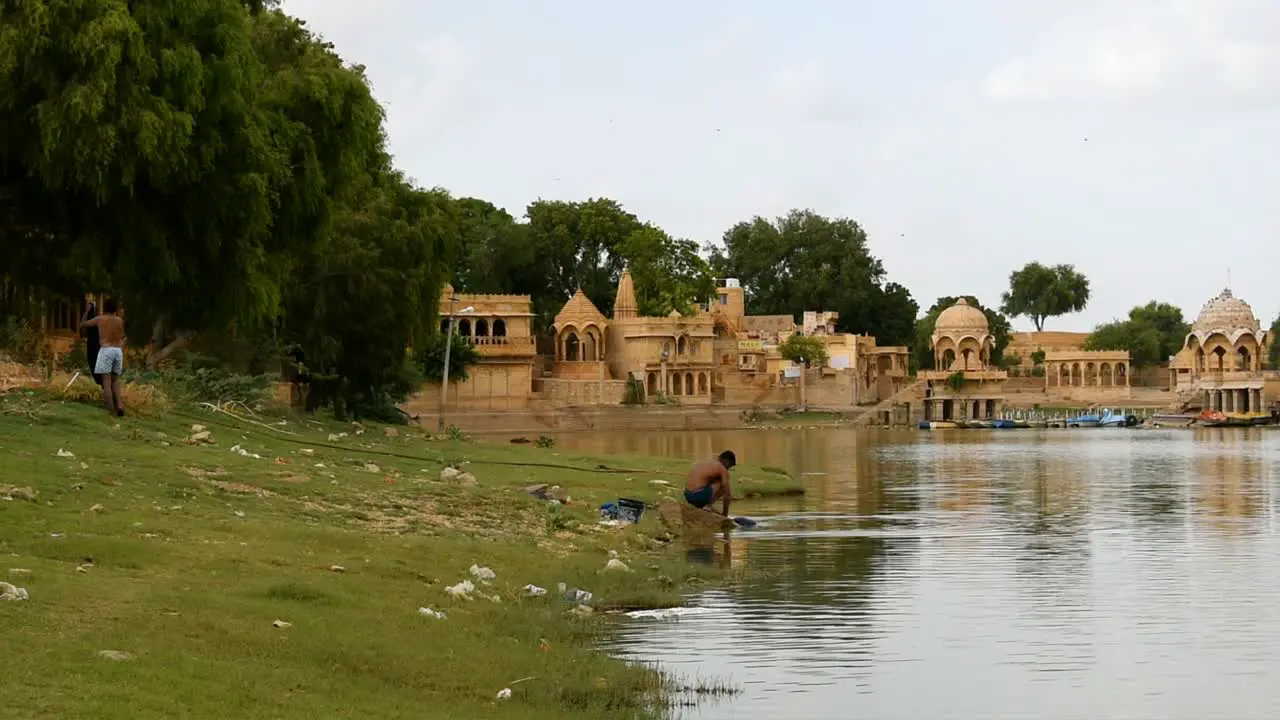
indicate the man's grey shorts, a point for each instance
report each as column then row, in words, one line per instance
column 110, row 361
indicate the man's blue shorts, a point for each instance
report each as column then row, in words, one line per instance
column 701, row 497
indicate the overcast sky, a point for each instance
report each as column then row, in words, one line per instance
column 1136, row 139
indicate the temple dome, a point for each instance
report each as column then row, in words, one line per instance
column 961, row 317
column 1226, row 314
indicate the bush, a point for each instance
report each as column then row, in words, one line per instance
column 211, row 385
column 634, row 394
column 75, row 360
column 20, row 340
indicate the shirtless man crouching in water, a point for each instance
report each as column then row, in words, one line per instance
column 111, row 355
column 708, row 481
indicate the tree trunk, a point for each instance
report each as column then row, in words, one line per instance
column 156, row 353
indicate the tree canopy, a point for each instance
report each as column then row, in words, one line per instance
column 1040, row 292
column 807, row 349
column 804, row 261
column 922, row 354
column 1273, row 358
column 1152, row 333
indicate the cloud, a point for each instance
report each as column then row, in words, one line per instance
column 1145, row 49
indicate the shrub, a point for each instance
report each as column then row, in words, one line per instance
column 20, row 340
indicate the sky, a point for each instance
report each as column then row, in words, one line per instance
column 1138, row 141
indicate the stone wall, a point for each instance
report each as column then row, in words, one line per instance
column 487, row 387
column 823, row 388
column 565, row 392
column 619, row 418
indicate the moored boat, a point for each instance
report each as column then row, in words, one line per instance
column 942, row 425
column 1086, row 420
column 1211, row 418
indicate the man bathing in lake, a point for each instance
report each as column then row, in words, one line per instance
column 709, row 481
column 111, row 355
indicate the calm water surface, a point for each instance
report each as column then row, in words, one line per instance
column 1091, row 573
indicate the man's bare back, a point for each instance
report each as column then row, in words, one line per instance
column 708, row 481
column 110, row 330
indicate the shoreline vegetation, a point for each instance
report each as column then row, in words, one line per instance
column 202, row 562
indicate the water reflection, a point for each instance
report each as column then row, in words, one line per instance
column 1057, row 574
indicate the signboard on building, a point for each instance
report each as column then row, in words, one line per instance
column 749, row 345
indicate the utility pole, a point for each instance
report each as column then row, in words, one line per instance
column 448, row 348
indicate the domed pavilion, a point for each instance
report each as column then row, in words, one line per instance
column 1220, row 363
column 963, row 385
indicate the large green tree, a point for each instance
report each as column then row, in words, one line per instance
column 804, row 261
column 1273, row 359
column 180, row 155
column 369, row 294
column 998, row 324
column 569, row 245
column 1040, row 292
column 1151, row 334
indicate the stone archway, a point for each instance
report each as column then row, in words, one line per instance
column 682, row 345
column 1106, row 375
column 482, row 327
column 572, row 347
column 1090, row 374
column 653, row 384
column 464, row 327
column 688, row 384
column 702, row 384
column 676, row 384
column 499, row 328
column 948, row 359
column 1244, row 358
column 1219, row 362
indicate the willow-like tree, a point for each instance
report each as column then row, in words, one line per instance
column 180, row 155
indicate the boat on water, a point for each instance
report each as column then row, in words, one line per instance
column 943, row 425
column 1247, row 419
column 1172, row 419
column 1211, row 418
column 1117, row 419
column 1086, row 420
column 1002, row 424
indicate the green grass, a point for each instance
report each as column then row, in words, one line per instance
column 195, row 551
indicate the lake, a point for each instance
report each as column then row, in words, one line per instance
column 1081, row 573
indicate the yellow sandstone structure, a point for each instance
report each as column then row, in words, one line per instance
column 963, row 385
column 1220, row 364
column 715, row 355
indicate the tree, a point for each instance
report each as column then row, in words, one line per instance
column 998, row 325
column 183, row 154
column 668, row 274
column 1274, row 354
column 1151, row 334
column 462, row 355
column 370, row 294
column 804, row 348
column 804, row 261
column 1040, row 292
column 494, row 252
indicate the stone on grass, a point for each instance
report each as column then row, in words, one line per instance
column 461, row 590
column 281, row 624
column 449, row 473
column 429, row 612
column 616, row 565
column 116, row 655
column 483, row 574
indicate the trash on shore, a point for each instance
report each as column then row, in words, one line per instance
column 580, row 597
column 504, row 694
column 65, row 454
column 281, row 624
column 483, row 574
column 12, row 592
column 462, row 590
column 581, row 610
column 337, row 568
column 534, row 591
column 244, row 453
column 429, row 612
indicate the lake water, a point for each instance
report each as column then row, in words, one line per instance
column 1084, row 573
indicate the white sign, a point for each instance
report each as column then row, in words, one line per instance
column 791, row 372
column 840, row 362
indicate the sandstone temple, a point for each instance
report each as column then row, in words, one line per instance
column 1220, row 364
column 716, row 354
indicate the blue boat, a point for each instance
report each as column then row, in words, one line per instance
column 1086, row 420
column 1001, row 423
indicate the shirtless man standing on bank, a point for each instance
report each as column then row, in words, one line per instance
column 709, row 481
column 111, row 355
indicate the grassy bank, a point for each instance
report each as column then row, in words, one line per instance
column 184, row 556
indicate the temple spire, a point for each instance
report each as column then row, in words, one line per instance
column 624, row 305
